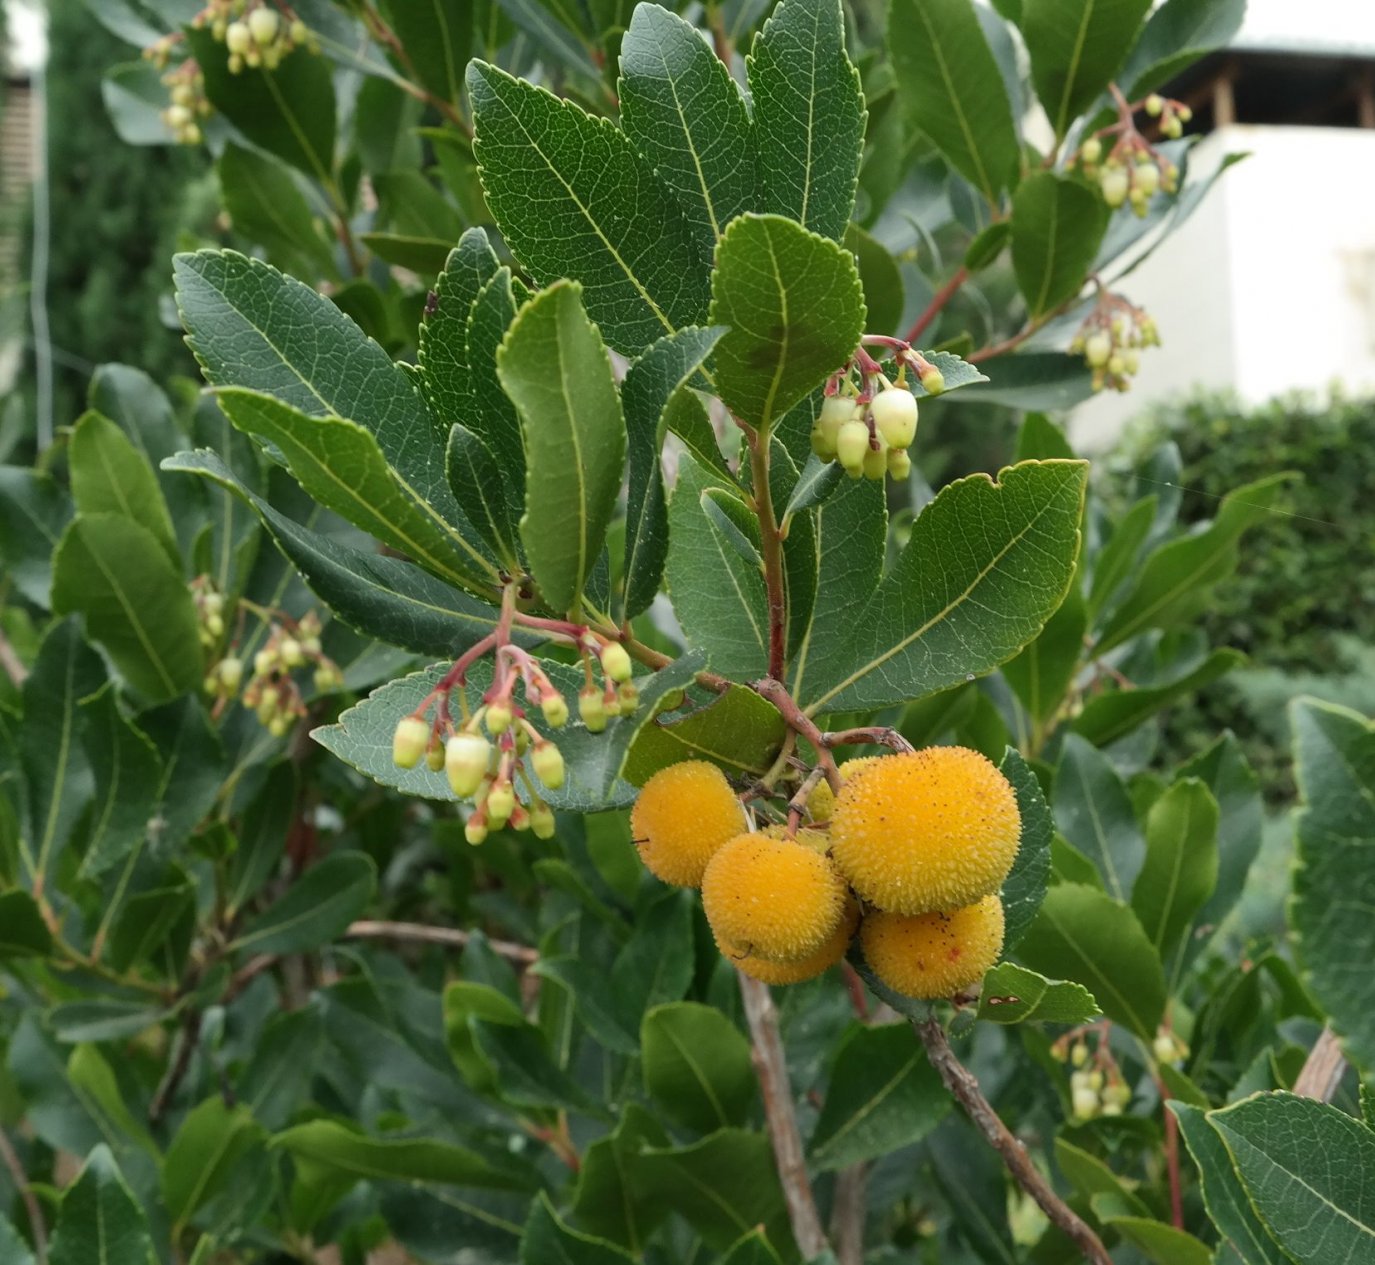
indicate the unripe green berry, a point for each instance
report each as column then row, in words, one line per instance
column 592, row 710
column 542, row 820
column 408, row 742
column 466, row 756
column 875, row 463
column 899, row 464
column 263, row 25
column 616, row 662
column 501, row 803
column 238, row 38
column 555, row 709
column 1098, row 348
column 852, row 443
column 547, row 761
column 895, row 416
column 498, row 719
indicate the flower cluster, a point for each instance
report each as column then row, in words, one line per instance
column 1096, row 1085
column 188, row 102
column 868, row 427
column 1126, row 166
column 1111, row 339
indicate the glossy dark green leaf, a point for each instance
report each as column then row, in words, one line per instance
column 127, row 772
column 1304, row 1165
column 881, row 279
column 606, row 1201
column 437, row 36
column 284, row 1062
column 33, row 513
column 1044, row 671
column 267, row 208
column 986, row 565
column 201, row 1156
column 794, row 308
column 288, row 111
column 99, row 1219
column 1161, row 1242
column 558, row 182
column 1175, row 36
column 1076, row 47
column 477, row 482
column 378, row 595
column 1335, row 758
column 684, row 114
column 649, row 386
column 883, row 1095
column 1094, row 813
column 1082, row 934
column 1013, row 994
column 738, row 731
column 950, row 86
column 1112, row 714
column 23, row 933
column 556, row 371
column 116, row 574
column 1025, row 886
column 12, row 1248
column 110, row 476
column 809, row 115
column 1057, row 225
column 696, row 1066
column 1048, row 380
column 316, row 908
column 549, row 1241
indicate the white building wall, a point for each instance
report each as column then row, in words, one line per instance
column 1270, row 286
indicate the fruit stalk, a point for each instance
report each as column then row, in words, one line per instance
column 960, row 1081
column 772, row 1069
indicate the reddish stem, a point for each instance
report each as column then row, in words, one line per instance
column 938, row 301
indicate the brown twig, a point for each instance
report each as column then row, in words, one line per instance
column 772, row 1070
column 878, row 734
column 188, row 1037
column 938, row 301
column 798, row 720
column 37, row 1226
column 965, row 1089
column 368, row 929
column 848, row 1213
column 1323, row 1070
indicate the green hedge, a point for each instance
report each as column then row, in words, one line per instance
column 1303, row 598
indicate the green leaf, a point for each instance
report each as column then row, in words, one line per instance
column 316, row 909
column 128, row 772
column 13, row 1249
column 950, row 85
column 556, row 371
column 94, row 1083
column 1041, row 675
column 1174, row 582
column 558, row 182
column 288, row 111
column 724, row 1186
column 1114, row 713
column 110, row 476
column 718, row 596
column 1048, row 380
column 814, row 485
column 479, row 488
column 1117, row 559
column 883, row 1095
column 1304, row 1165
column 650, row 384
column 523, row 1070
column 1176, row 35
column 136, row 604
column 548, row 1241
column 99, row 1219
column 23, row 933
column 809, row 115
column 1180, row 871
column 1091, row 1176
column 380, row 596
column 1095, row 814
column 342, row 466
column 684, row 114
column 33, row 513
column 605, row 1201
column 880, row 278
column 696, row 1065
column 154, row 925
column 1334, row 752
column 795, row 310
column 266, row 207
column 279, row 1073
column 1025, row 886
column 986, row 565
column 1223, row 1195
column 437, row 36
column 490, row 411
column 1082, row 934
column 340, row 1146
column 1012, row 994
column 1057, row 226
column 252, row 327
column 211, row 1140
column 737, row 731
column 429, row 1220
column 1076, row 47
column 1161, row 1242
column 753, row 1249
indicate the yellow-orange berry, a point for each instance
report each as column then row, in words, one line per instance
column 933, row 955
column 683, row 814
column 804, row 968
column 821, row 802
column 778, row 899
column 926, row 830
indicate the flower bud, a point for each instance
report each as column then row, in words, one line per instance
column 465, row 761
column 1147, row 178
column 628, row 698
column 616, row 662
column 1094, row 1080
column 1091, row 151
column 875, row 464
column 292, row 655
column 1164, row 1049
column 932, row 380
column 1079, row 1054
column 852, row 443
column 520, row 818
column 1115, row 184
column 300, row 32
column 547, row 761
column 899, row 464
column 263, row 663
column 820, row 446
column 1154, row 104
column 1098, row 348
column 327, row 677
column 592, row 709
column 238, row 38
column 475, row 829
column 501, row 803
column 555, row 709
column 1118, row 1093
column 263, row 24
column 1112, row 1108
column 230, row 673
column 895, row 416
column 176, row 116
column 434, row 755
column 498, row 718
column 408, row 742
column 235, row 64
column 1116, row 365
column 542, row 820
column 1085, row 1104
column 1172, row 127
column 279, row 725
column 836, row 410
column 214, row 625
